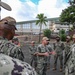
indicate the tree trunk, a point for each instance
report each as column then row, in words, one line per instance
column 40, row 32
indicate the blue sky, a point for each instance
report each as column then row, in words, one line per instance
column 65, row 0
column 34, row 1
column 24, row 10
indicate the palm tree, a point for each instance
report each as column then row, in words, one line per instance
column 41, row 20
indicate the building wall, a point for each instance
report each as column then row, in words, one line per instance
column 31, row 27
column 28, row 30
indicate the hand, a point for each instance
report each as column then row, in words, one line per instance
column 36, row 53
column 54, row 53
column 50, row 53
column 46, row 54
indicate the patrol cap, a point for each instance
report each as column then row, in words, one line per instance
column 45, row 38
column 15, row 39
column 57, row 36
column 8, row 21
column 33, row 42
column 73, row 36
column 68, row 37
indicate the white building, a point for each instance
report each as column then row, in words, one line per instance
column 59, row 26
column 28, row 27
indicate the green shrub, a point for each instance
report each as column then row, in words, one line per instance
column 47, row 33
column 63, row 37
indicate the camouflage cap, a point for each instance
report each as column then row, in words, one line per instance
column 33, row 42
column 15, row 39
column 45, row 38
column 9, row 21
column 57, row 36
column 68, row 37
column 73, row 36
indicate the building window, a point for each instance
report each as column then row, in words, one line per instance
column 26, row 26
column 18, row 26
column 45, row 26
column 34, row 26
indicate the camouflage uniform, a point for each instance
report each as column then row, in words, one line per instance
column 32, row 50
column 12, row 66
column 42, row 60
column 15, row 41
column 70, row 64
column 9, row 65
column 7, row 29
column 48, row 59
column 59, row 47
column 10, row 49
column 67, row 49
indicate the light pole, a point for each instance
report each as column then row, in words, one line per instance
column 5, row 6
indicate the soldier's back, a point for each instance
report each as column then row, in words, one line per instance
column 70, row 65
column 11, row 66
column 9, row 48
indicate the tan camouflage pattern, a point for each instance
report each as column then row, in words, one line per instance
column 42, row 60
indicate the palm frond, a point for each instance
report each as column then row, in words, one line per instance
column 45, row 23
column 37, row 22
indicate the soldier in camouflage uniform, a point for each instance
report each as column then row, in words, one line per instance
column 32, row 50
column 70, row 63
column 50, row 50
column 7, row 32
column 42, row 54
column 16, row 41
column 67, row 47
column 9, row 65
column 59, row 47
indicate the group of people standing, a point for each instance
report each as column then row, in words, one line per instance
column 41, row 54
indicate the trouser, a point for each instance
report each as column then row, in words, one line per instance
column 33, row 62
column 41, row 68
column 48, row 60
column 60, row 59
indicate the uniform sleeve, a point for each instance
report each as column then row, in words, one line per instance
column 18, row 54
column 30, row 50
column 62, row 46
column 50, row 49
column 54, row 44
column 73, row 56
column 39, row 49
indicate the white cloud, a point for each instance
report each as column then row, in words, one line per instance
column 23, row 11
column 51, row 8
